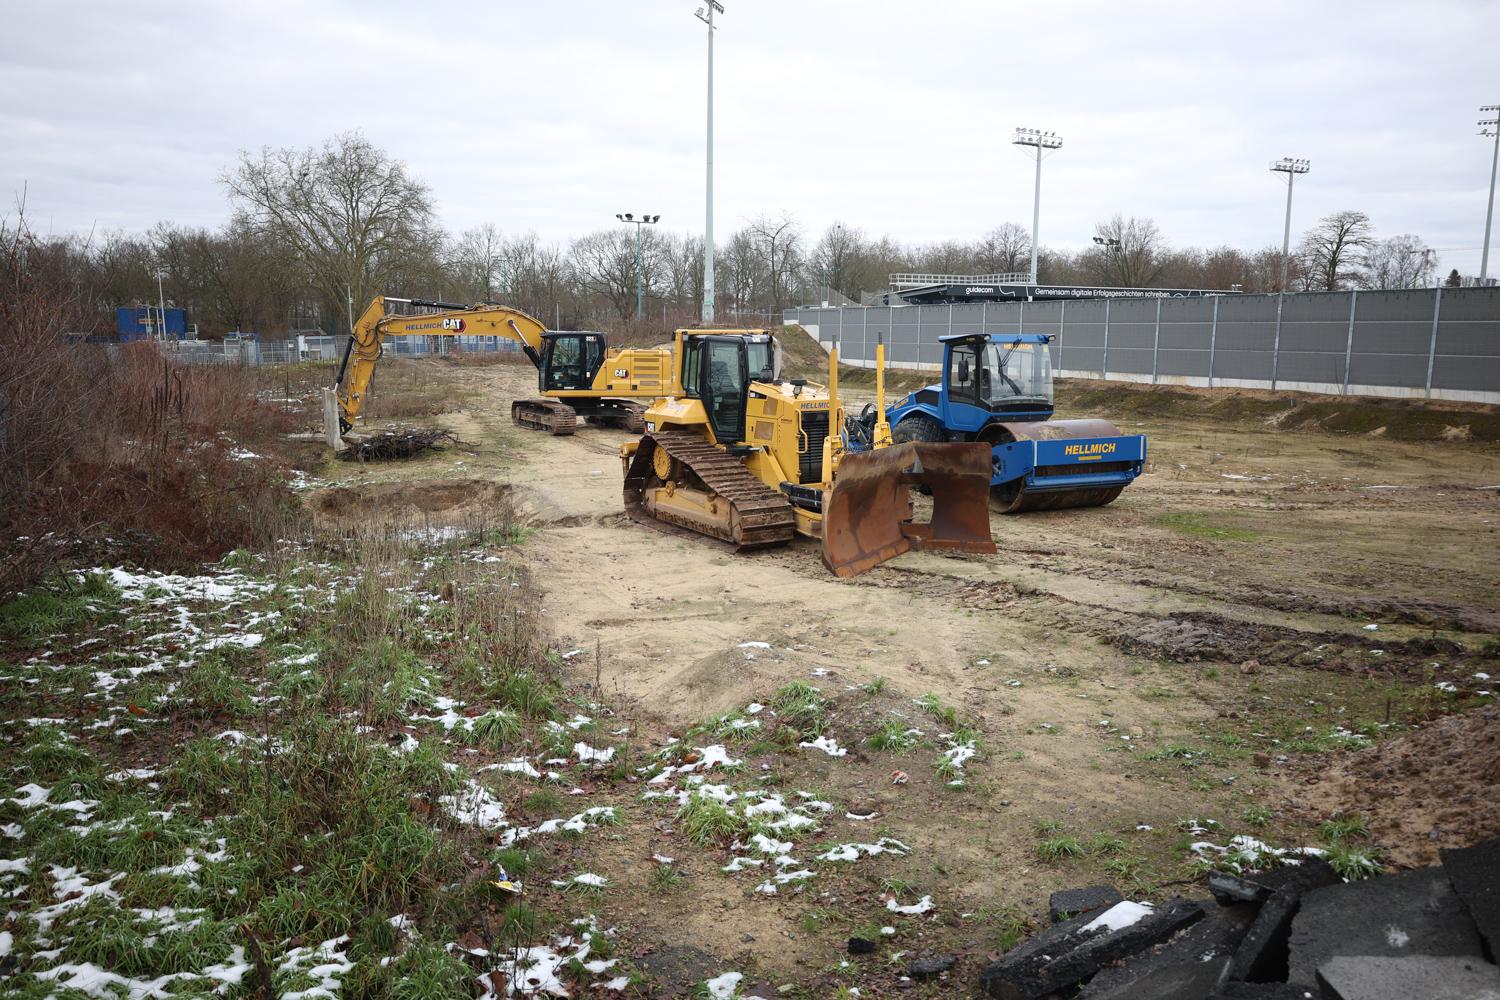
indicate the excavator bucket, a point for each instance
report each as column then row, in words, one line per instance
column 867, row 514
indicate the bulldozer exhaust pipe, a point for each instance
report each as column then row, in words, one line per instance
column 867, row 513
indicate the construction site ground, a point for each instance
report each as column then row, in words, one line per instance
column 297, row 769
column 1207, row 654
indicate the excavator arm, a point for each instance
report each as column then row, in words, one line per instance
column 367, row 345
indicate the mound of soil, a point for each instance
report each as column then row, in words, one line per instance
column 445, row 501
column 1438, row 787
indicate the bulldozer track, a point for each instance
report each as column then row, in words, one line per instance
column 764, row 515
column 557, row 419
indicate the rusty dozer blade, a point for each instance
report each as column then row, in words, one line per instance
column 867, row 514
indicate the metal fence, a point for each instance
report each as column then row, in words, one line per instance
column 1441, row 343
column 246, row 351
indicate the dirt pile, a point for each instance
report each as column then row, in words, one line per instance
column 1438, row 787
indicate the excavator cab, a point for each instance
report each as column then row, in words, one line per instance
column 570, row 360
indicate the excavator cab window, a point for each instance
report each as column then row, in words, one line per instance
column 721, row 383
column 571, row 361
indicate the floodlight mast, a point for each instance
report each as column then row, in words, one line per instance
column 1491, row 127
column 1039, row 141
column 708, row 222
column 1290, row 167
column 644, row 220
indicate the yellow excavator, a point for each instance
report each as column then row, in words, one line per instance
column 749, row 459
column 578, row 375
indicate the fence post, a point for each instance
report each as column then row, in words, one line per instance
column 1062, row 320
column 1276, row 346
column 1156, row 343
column 1021, row 321
column 1104, row 366
column 984, row 318
column 1213, row 340
column 1349, row 347
column 919, row 335
column 1437, row 307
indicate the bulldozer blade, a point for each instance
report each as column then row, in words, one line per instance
column 867, row 513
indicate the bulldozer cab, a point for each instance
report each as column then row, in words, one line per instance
column 570, row 361
column 716, row 371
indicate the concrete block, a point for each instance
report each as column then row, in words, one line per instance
column 1195, row 981
column 1075, row 949
column 1211, row 941
column 1475, row 874
column 1267, row 991
column 1229, row 888
column 1377, row 977
column 1071, row 902
column 1262, row 955
column 1414, row 913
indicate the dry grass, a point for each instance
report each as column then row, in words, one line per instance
column 121, row 449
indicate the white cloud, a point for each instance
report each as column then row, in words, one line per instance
column 890, row 116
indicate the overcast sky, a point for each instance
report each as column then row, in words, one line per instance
column 893, row 117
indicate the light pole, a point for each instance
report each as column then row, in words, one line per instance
column 1491, row 127
column 1110, row 244
column 708, row 219
column 161, row 310
column 826, row 272
column 644, row 220
column 1290, row 167
column 1041, row 142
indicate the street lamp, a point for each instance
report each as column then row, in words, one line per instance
column 644, row 220
column 1290, row 167
column 1110, row 244
column 504, row 279
column 827, row 272
column 1041, row 142
column 708, row 218
column 1491, row 127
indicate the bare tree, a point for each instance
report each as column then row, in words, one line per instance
column 778, row 243
column 478, row 261
column 1399, row 262
column 1004, row 249
column 1133, row 254
column 604, row 263
column 348, row 213
column 1331, row 251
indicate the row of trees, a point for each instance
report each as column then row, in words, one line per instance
column 314, row 229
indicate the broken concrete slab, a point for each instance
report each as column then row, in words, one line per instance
column 1212, row 940
column 1071, row 902
column 1266, row 991
column 1229, row 888
column 1076, row 949
column 1193, row 981
column 1414, row 913
column 1475, row 874
column 1262, row 955
column 1430, row 977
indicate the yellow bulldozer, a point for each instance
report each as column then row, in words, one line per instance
column 744, row 457
column 578, row 374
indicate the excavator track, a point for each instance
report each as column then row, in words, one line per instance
column 758, row 517
column 557, row 419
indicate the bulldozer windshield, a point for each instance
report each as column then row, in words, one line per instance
column 990, row 373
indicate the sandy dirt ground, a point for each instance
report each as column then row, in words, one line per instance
column 1092, row 633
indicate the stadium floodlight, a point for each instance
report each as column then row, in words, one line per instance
column 1290, row 167
column 644, row 220
column 1041, row 142
column 714, row 7
column 1491, row 127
